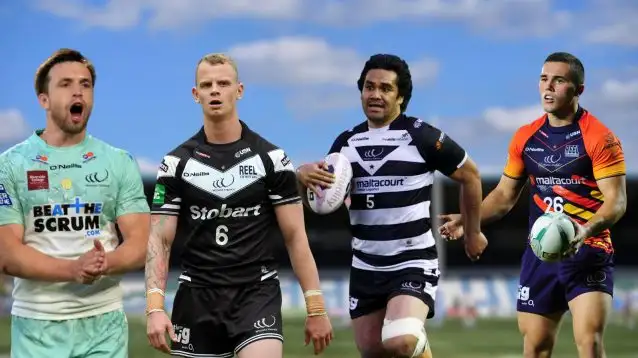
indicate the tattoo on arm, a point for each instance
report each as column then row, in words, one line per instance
column 158, row 254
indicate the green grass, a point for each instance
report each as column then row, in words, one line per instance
column 488, row 339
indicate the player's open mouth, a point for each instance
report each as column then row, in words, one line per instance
column 76, row 111
column 548, row 99
column 376, row 105
column 215, row 103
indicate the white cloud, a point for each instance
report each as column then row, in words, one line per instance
column 612, row 22
column 147, row 166
column 510, row 119
column 501, row 17
column 14, row 126
column 302, row 61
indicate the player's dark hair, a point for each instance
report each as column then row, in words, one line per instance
column 576, row 68
column 395, row 64
column 42, row 77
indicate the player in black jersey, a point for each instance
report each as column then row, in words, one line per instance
column 394, row 274
column 224, row 190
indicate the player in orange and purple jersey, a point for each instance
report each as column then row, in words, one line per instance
column 575, row 165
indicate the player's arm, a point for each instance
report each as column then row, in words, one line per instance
column 133, row 219
column 608, row 161
column 165, row 209
column 282, row 185
column 16, row 258
column 446, row 156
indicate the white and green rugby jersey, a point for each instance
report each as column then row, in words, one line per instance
column 65, row 197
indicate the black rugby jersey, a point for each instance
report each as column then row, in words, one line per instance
column 224, row 196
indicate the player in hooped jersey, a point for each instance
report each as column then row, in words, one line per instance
column 575, row 165
column 61, row 193
column 227, row 188
column 394, row 272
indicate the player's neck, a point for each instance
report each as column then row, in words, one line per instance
column 56, row 137
column 563, row 117
column 222, row 130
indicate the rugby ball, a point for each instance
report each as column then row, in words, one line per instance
column 332, row 198
column 550, row 236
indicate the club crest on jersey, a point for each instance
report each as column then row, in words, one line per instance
column 87, row 157
column 40, row 158
column 68, row 217
column 5, row 199
column 571, row 151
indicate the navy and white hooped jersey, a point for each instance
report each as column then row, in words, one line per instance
column 393, row 173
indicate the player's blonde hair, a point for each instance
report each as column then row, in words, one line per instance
column 218, row 59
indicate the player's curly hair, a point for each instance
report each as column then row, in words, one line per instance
column 395, row 64
column 62, row 55
column 576, row 68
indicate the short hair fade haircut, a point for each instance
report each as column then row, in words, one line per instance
column 62, row 55
column 395, row 64
column 576, row 68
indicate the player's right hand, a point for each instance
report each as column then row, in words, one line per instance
column 452, row 227
column 475, row 245
column 314, row 175
column 157, row 325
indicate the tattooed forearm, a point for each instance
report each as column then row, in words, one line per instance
column 159, row 249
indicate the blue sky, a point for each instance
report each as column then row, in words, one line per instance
column 475, row 65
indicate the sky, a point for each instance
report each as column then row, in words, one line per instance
column 475, row 66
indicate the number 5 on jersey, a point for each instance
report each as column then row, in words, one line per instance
column 370, row 201
column 221, row 235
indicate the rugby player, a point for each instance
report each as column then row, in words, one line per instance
column 62, row 192
column 575, row 165
column 227, row 189
column 395, row 273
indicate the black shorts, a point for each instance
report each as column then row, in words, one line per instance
column 220, row 321
column 370, row 291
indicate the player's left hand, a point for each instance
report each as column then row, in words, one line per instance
column 319, row 330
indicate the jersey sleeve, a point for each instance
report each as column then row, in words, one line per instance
column 339, row 143
column 442, row 153
column 10, row 206
column 281, row 180
column 606, row 153
column 167, row 196
column 130, row 197
column 514, row 165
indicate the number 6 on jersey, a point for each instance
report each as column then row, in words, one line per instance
column 221, row 237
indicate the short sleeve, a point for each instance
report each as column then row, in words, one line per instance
column 607, row 156
column 10, row 206
column 514, row 165
column 131, row 198
column 339, row 143
column 281, row 180
column 167, row 197
column 442, row 153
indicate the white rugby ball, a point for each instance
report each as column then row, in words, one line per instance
column 332, row 198
column 550, row 236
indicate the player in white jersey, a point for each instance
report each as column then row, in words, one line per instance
column 394, row 272
column 61, row 194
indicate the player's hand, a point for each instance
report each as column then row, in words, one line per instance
column 475, row 244
column 577, row 241
column 319, row 331
column 315, row 175
column 89, row 267
column 157, row 325
column 452, row 227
